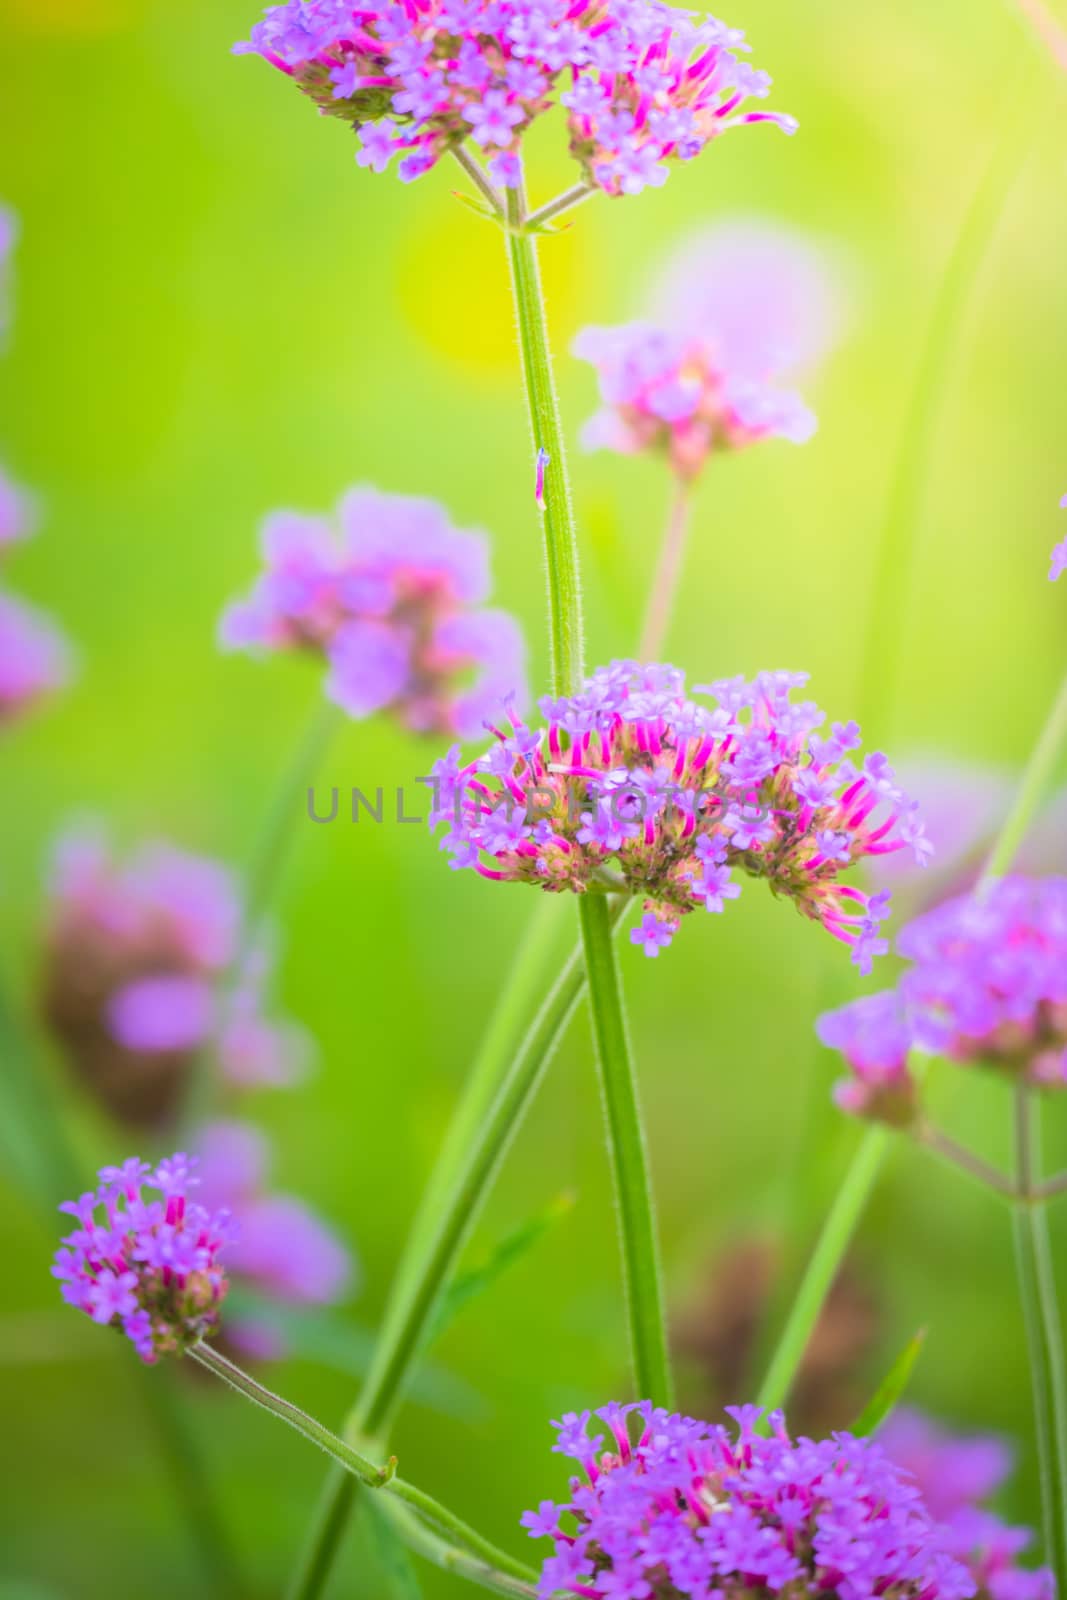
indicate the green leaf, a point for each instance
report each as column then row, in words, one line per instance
column 887, row 1395
column 333, row 1340
column 394, row 1575
column 467, row 1286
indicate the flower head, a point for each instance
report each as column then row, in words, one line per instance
column 1059, row 555
column 394, row 606
column 642, row 85
column 955, row 1474
column 283, row 1251
column 134, row 958
column 16, row 513
column 691, row 1509
column 736, row 308
column 34, row 658
column 634, row 786
column 147, row 1265
column 987, row 983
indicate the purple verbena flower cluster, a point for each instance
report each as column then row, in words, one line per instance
column 1059, row 555
column 283, row 1251
column 396, row 607
column 956, row 1474
column 16, row 513
column 633, row 786
column 35, row 659
column 149, row 1266
column 987, row 983
column 669, row 391
column 641, row 83
column 695, row 1509
column 137, row 956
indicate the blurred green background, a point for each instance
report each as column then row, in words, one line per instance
column 217, row 313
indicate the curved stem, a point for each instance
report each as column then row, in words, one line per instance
column 642, row 1277
column 668, row 573
column 1044, row 1336
column 352, row 1461
column 429, row 1545
column 557, row 520
column 964, row 1160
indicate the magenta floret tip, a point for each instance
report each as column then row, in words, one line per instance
column 146, row 1263
column 643, row 85
column 632, row 786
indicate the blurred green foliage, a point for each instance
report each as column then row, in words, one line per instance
column 217, row 314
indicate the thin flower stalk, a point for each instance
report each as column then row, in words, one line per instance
column 668, row 573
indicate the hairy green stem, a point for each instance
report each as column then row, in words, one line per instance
column 642, row 1277
column 478, row 176
column 566, row 646
column 449, row 1558
column 358, row 1465
column 1044, row 1337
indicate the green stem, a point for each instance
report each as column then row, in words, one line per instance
column 642, row 1277
column 180, row 1450
column 1035, row 782
column 478, row 176
column 353, row 1462
column 668, row 573
column 557, row 518
column 1044, row 1336
column 885, row 634
column 418, row 1294
column 270, row 851
column 823, row 1267
column 449, row 1558
column 895, row 560
column 566, row 201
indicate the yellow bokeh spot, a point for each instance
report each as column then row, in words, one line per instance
column 73, row 16
column 455, row 294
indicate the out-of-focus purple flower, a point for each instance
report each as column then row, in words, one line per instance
column 395, row 607
column 643, row 85
column 35, row 659
column 149, row 1266
column 694, row 1509
column 955, row 1474
column 1059, row 555
column 16, row 513
column 632, row 785
column 9, row 232
column 284, row 1251
column 987, row 984
column 138, row 977
column 875, row 1039
column 737, row 308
